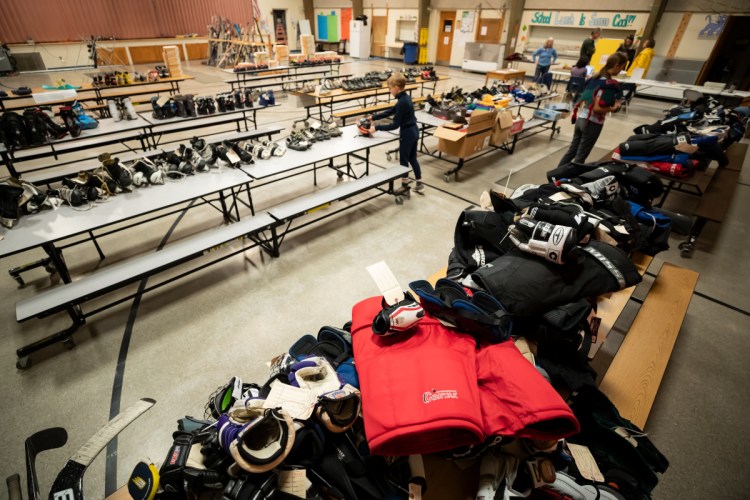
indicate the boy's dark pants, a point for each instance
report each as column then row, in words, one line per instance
column 408, row 149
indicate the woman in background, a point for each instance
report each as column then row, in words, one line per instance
column 547, row 56
column 643, row 59
column 627, row 48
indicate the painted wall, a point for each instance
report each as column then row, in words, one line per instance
column 696, row 44
column 592, row 5
column 459, row 38
column 709, row 6
column 62, row 55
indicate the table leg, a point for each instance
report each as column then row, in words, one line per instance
column 57, row 259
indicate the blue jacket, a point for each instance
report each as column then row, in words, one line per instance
column 402, row 112
column 546, row 56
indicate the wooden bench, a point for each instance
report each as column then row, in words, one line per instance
column 633, row 378
column 714, row 204
column 260, row 229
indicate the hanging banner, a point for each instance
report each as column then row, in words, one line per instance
column 578, row 19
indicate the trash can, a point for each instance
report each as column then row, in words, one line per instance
column 410, row 52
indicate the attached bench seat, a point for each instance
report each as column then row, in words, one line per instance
column 119, row 275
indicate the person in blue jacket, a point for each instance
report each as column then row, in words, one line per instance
column 547, row 56
column 403, row 119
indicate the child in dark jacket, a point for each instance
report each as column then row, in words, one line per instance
column 403, row 119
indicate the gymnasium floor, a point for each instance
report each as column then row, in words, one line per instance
column 177, row 345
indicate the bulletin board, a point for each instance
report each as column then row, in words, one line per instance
column 322, row 27
column 605, row 47
column 333, row 28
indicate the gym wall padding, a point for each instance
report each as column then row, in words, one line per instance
column 71, row 20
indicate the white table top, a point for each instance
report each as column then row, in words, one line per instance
column 349, row 142
column 128, row 128
column 426, row 118
column 231, row 71
column 685, row 86
column 54, row 225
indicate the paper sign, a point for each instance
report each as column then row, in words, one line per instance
column 483, row 31
column 448, row 28
column 298, row 403
column 603, row 60
column 585, row 462
column 446, row 40
column 386, row 282
column 294, row 482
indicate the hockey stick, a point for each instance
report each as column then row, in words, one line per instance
column 48, row 439
column 69, row 482
column 14, row 487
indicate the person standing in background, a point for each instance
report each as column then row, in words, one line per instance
column 597, row 100
column 547, row 56
column 589, row 45
column 643, row 59
column 627, row 48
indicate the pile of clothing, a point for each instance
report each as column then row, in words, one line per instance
column 686, row 139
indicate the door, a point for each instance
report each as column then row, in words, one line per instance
column 489, row 30
column 445, row 39
column 379, row 26
column 279, row 26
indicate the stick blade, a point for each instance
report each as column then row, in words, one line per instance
column 69, row 482
column 47, row 439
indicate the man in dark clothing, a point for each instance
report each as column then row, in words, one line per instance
column 589, row 45
column 403, row 119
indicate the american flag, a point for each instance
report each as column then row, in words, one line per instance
column 256, row 10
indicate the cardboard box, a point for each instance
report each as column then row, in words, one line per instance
column 501, row 130
column 517, row 126
column 307, row 44
column 562, row 107
column 467, row 141
column 547, row 114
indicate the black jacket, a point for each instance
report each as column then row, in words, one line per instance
column 402, row 112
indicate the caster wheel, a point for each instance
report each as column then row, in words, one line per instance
column 399, row 200
column 23, row 363
column 340, row 175
column 448, row 178
column 686, row 252
column 69, row 343
column 50, row 268
column 388, row 157
column 683, row 245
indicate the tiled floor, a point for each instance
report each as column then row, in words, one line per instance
column 178, row 344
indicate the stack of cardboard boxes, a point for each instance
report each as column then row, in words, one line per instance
column 171, row 55
column 308, row 45
column 282, row 54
